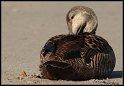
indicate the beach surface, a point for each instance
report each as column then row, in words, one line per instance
column 26, row 27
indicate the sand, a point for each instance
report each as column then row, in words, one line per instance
column 26, row 26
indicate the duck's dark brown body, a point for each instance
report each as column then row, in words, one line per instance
column 77, row 57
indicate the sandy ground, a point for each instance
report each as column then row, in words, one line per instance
column 26, row 26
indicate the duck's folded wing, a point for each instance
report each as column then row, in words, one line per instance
column 92, row 45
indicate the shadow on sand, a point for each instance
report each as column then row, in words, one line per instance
column 116, row 74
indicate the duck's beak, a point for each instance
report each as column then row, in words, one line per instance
column 78, row 23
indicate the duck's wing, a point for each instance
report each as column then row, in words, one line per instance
column 95, row 54
column 95, row 45
column 89, row 47
column 99, row 54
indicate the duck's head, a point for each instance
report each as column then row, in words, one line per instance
column 81, row 19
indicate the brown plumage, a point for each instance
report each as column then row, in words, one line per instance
column 77, row 56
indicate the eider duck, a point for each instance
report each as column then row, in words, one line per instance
column 79, row 55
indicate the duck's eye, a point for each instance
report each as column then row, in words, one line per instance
column 72, row 17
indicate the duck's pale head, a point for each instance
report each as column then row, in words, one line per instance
column 81, row 19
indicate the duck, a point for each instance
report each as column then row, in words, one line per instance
column 80, row 54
